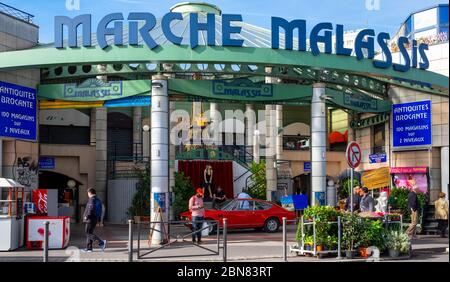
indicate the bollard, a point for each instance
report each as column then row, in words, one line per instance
column 225, row 225
column 284, row 240
column 339, row 238
column 130, row 240
column 139, row 241
column 45, row 247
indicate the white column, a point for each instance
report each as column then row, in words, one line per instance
column 214, row 116
column 172, row 157
column 146, row 141
column 279, row 131
column 137, row 131
column 351, row 131
column 159, row 151
column 444, row 170
column 318, row 143
column 101, row 127
column 250, row 126
column 196, row 130
column 271, row 170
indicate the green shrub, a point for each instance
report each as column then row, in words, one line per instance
column 395, row 240
column 345, row 187
column 140, row 205
column 182, row 191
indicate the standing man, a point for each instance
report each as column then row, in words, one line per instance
column 356, row 199
column 92, row 215
column 198, row 215
column 413, row 207
column 367, row 203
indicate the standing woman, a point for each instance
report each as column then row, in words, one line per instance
column 207, row 177
column 441, row 213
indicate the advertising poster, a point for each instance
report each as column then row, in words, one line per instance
column 160, row 201
column 287, row 202
column 411, row 181
column 411, row 124
column 40, row 199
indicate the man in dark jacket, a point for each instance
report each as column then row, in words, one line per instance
column 90, row 218
column 367, row 203
column 356, row 199
column 413, row 207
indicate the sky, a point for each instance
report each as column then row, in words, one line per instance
column 381, row 15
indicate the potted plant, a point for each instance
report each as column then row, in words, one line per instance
column 351, row 233
column 309, row 242
column 397, row 242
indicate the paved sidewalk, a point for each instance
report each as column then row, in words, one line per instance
column 243, row 246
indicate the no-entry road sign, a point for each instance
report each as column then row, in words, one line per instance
column 353, row 154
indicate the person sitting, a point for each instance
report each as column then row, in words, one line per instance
column 219, row 197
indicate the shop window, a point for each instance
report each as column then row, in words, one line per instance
column 74, row 135
column 296, row 143
column 378, row 133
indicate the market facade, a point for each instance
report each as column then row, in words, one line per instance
column 225, row 93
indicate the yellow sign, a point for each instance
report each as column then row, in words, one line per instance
column 376, row 178
column 47, row 105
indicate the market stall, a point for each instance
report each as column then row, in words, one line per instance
column 12, row 198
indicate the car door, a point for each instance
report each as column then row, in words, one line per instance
column 260, row 213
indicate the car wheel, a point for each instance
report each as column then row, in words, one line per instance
column 271, row 225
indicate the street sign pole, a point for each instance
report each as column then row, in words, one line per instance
column 351, row 190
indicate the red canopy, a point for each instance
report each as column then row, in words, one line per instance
column 336, row 137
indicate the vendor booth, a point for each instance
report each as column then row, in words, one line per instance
column 12, row 198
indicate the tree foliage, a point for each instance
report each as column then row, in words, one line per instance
column 259, row 187
column 140, row 205
column 183, row 191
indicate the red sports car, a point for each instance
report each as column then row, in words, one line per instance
column 248, row 213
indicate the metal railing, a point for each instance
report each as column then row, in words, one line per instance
column 16, row 13
column 169, row 238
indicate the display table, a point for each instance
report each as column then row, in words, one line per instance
column 59, row 231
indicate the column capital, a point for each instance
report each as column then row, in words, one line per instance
column 159, row 77
column 319, row 85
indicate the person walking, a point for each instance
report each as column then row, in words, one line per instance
column 441, row 214
column 92, row 215
column 356, row 199
column 198, row 215
column 413, row 207
column 367, row 204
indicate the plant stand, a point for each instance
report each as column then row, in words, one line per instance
column 300, row 248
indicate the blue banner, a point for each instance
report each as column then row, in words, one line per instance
column 377, row 158
column 133, row 101
column 412, row 124
column 300, row 202
column 17, row 111
column 46, row 163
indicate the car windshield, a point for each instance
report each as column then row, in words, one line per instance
column 238, row 205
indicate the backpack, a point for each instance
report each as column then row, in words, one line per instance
column 98, row 208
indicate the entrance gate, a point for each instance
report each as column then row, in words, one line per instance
column 253, row 74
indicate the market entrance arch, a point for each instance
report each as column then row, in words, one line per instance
column 252, row 74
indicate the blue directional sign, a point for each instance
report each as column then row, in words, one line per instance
column 17, row 111
column 307, row 166
column 412, row 124
column 377, row 158
column 46, row 163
